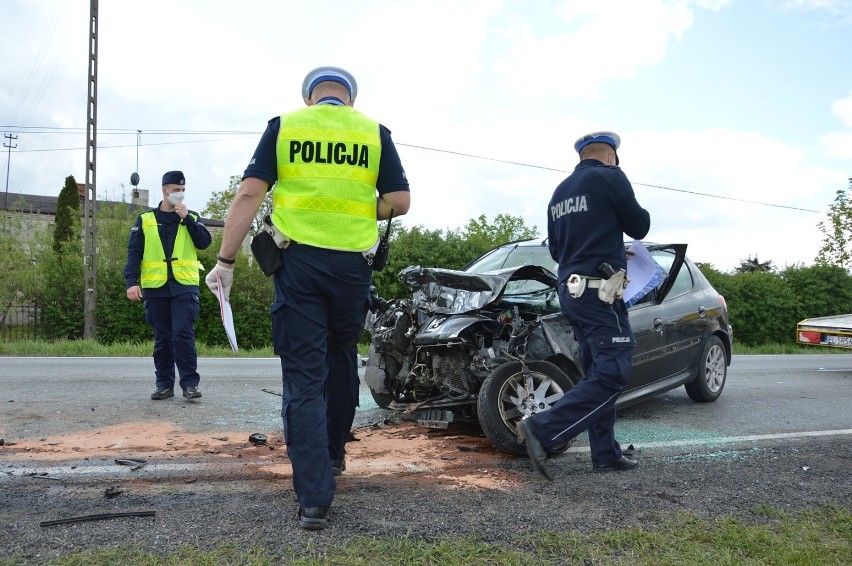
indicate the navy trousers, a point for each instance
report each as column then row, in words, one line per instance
column 606, row 350
column 173, row 320
column 317, row 320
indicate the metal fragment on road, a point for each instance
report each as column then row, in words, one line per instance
column 133, row 464
column 98, row 517
column 111, row 492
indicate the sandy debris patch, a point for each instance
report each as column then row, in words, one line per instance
column 445, row 459
column 135, row 440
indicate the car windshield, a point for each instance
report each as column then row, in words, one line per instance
column 513, row 256
column 516, row 256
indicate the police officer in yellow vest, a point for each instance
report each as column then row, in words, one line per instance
column 162, row 270
column 334, row 173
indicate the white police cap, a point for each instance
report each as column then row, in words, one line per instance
column 610, row 138
column 336, row 74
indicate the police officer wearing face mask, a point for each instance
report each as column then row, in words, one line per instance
column 162, row 270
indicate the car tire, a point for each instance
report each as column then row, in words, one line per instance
column 382, row 398
column 712, row 373
column 500, row 408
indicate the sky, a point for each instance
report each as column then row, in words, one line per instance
column 735, row 115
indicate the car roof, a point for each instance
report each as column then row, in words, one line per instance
column 543, row 242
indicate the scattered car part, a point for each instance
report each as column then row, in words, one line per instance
column 98, row 517
column 258, row 439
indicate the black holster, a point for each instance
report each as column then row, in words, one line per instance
column 266, row 252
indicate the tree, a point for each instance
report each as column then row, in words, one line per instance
column 220, row 201
column 67, row 223
column 837, row 232
column 720, row 281
column 822, row 290
column 754, row 265
column 416, row 246
column 62, row 300
column 482, row 235
column 762, row 308
column 447, row 249
column 19, row 283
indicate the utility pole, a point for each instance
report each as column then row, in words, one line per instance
column 90, row 203
column 9, row 137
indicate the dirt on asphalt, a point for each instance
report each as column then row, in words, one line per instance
column 401, row 480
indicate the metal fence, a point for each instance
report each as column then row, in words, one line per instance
column 22, row 322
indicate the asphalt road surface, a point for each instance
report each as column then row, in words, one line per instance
column 766, row 398
column 780, row 436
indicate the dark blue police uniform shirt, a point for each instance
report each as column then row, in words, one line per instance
column 167, row 224
column 264, row 162
column 587, row 217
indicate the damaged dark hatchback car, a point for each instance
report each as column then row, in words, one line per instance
column 489, row 342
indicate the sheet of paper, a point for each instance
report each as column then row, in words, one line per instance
column 227, row 315
column 644, row 273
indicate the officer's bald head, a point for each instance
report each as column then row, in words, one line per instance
column 601, row 151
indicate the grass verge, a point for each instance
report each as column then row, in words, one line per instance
column 91, row 348
column 813, row 537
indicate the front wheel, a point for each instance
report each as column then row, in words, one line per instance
column 712, row 372
column 375, row 375
column 513, row 392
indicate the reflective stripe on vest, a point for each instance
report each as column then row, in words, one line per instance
column 155, row 268
column 328, row 164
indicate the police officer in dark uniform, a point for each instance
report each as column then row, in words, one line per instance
column 587, row 217
column 162, row 270
column 333, row 173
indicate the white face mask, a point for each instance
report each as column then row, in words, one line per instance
column 176, row 198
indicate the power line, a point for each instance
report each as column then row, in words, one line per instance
column 130, row 145
column 726, row 198
column 242, row 133
column 532, row 166
column 133, row 131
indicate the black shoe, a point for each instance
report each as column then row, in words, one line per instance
column 162, row 393
column 338, row 466
column 623, row 463
column 191, row 392
column 536, row 452
column 313, row 518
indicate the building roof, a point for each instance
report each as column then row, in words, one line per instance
column 40, row 204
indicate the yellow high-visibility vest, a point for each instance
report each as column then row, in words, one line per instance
column 155, row 269
column 328, row 163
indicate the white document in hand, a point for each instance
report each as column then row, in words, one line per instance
column 644, row 273
column 227, row 314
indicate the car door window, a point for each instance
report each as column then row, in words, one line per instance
column 683, row 282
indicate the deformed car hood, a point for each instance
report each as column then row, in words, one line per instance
column 447, row 291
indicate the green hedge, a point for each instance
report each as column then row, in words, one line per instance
column 764, row 305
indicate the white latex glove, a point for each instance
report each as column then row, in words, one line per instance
column 223, row 275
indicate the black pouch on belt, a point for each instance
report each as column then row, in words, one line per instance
column 266, row 252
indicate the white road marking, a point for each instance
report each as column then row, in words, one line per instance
column 731, row 439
